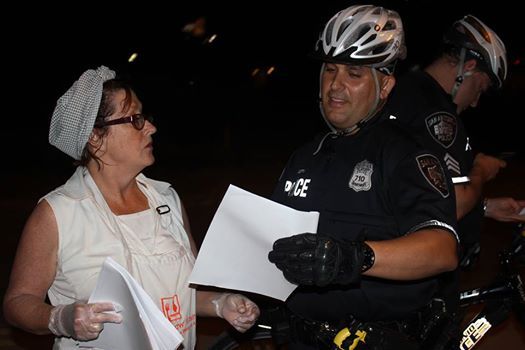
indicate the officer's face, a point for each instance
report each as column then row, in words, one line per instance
column 471, row 89
column 348, row 93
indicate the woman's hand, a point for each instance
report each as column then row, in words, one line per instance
column 238, row 310
column 82, row 321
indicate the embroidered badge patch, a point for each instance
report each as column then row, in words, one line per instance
column 361, row 179
column 433, row 173
column 442, row 127
column 171, row 308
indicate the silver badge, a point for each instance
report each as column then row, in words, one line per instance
column 442, row 127
column 361, row 179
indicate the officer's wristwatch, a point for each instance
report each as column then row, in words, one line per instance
column 369, row 257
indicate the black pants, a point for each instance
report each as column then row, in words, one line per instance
column 300, row 346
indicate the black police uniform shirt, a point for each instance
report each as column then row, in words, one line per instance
column 375, row 185
column 428, row 112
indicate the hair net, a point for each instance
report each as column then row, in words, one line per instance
column 76, row 111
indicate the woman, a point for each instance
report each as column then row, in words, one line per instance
column 108, row 208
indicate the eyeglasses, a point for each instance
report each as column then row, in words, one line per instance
column 137, row 120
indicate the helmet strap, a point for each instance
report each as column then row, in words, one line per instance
column 330, row 126
column 459, row 76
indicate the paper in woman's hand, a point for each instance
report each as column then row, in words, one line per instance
column 143, row 326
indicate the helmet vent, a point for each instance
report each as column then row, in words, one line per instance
column 379, row 49
column 370, row 38
column 501, row 71
column 329, row 30
column 356, row 36
column 390, row 25
column 343, row 27
column 479, row 27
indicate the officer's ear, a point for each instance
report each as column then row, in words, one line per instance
column 387, row 84
column 470, row 66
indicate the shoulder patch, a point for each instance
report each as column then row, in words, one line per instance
column 361, row 179
column 433, row 172
column 442, row 126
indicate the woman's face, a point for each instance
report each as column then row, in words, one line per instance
column 125, row 146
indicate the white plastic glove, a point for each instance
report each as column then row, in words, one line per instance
column 81, row 321
column 238, row 310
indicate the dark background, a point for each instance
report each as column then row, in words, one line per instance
column 218, row 122
column 204, row 96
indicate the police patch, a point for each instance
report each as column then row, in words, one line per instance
column 433, row 173
column 361, row 179
column 442, row 126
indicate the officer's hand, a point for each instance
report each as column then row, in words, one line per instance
column 314, row 259
column 487, row 166
column 505, row 209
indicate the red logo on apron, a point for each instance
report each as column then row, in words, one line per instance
column 171, row 308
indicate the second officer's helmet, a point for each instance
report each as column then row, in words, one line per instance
column 483, row 44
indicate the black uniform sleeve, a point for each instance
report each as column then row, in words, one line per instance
column 421, row 194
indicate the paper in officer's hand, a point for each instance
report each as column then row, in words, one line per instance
column 234, row 253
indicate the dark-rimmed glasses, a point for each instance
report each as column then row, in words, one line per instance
column 137, row 120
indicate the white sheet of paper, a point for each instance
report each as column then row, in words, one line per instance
column 144, row 327
column 234, row 253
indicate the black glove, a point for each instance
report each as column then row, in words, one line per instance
column 313, row 259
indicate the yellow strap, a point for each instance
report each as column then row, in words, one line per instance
column 341, row 336
column 344, row 333
column 360, row 336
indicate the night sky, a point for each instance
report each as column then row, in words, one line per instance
column 207, row 96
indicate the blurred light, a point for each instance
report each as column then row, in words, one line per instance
column 212, row 38
column 132, row 57
column 270, row 70
column 197, row 28
column 516, row 62
column 255, row 71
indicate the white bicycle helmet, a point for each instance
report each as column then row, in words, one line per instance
column 363, row 35
column 483, row 43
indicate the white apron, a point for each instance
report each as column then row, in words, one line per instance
column 89, row 232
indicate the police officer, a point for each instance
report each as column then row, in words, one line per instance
column 428, row 102
column 387, row 212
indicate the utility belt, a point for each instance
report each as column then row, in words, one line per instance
column 420, row 330
column 353, row 334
